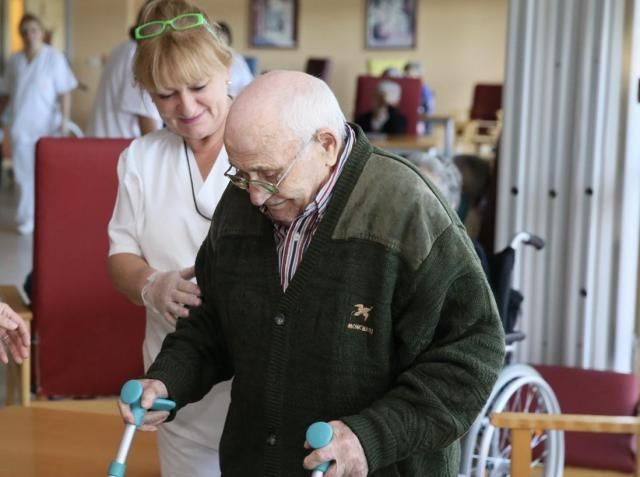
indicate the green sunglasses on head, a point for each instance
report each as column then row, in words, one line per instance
column 186, row 21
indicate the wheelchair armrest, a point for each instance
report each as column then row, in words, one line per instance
column 514, row 337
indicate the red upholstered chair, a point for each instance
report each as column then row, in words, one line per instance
column 409, row 102
column 584, row 391
column 319, row 67
column 88, row 337
column 487, row 101
column 485, row 115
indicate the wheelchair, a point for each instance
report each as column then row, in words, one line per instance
column 486, row 450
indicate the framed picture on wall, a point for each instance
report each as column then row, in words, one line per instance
column 391, row 24
column 273, row 23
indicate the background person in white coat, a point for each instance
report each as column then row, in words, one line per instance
column 39, row 83
column 121, row 108
column 170, row 182
column 241, row 74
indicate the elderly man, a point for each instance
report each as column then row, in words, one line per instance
column 337, row 286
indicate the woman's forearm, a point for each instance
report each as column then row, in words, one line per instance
column 129, row 274
column 65, row 108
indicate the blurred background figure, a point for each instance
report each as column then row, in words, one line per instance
column 475, row 205
column 384, row 117
column 241, row 74
column 391, row 72
column 121, row 108
column 413, row 69
column 38, row 86
column 444, row 174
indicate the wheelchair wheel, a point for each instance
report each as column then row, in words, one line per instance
column 474, row 435
column 518, row 388
column 492, row 455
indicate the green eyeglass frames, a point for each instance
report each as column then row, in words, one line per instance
column 244, row 183
column 186, row 21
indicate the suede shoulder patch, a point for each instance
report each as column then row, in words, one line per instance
column 394, row 205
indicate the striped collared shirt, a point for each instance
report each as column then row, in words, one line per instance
column 292, row 240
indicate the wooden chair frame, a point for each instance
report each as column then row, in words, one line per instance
column 522, row 425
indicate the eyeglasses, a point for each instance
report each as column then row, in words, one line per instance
column 244, row 184
column 186, row 21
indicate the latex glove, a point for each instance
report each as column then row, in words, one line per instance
column 168, row 293
column 151, row 390
column 14, row 337
column 344, row 450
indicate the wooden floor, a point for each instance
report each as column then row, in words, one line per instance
column 108, row 407
column 98, row 406
column 62, row 439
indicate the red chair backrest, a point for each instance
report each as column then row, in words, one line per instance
column 319, row 67
column 409, row 102
column 88, row 336
column 587, row 391
column 487, row 101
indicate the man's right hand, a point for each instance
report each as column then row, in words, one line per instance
column 152, row 389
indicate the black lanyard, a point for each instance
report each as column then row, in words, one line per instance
column 193, row 192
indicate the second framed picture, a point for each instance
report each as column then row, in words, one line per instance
column 274, row 23
column 391, row 24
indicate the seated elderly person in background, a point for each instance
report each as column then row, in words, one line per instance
column 443, row 173
column 14, row 337
column 385, row 117
column 337, row 286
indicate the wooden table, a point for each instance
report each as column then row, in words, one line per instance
column 402, row 142
column 52, row 443
column 18, row 372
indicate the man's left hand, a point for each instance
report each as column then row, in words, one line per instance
column 344, row 451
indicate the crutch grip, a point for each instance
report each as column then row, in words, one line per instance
column 319, row 434
column 130, row 394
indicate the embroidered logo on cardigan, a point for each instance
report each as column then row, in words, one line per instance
column 360, row 311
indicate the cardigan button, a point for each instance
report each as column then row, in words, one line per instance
column 279, row 319
column 271, row 439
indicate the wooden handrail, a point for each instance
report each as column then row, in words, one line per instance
column 522, row 425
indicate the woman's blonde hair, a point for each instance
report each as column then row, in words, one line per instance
column 178, row 57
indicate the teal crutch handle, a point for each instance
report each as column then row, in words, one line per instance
column 132, row 392
column 319, row 434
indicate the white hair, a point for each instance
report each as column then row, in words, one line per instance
column 391, row 91
column 443, row 173
column 311, row 107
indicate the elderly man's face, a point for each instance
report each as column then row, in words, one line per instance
column 295, row 167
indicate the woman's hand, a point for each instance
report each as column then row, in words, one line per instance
column 169, row 293
column 14, row 336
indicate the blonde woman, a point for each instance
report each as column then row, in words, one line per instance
column 170, row 183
